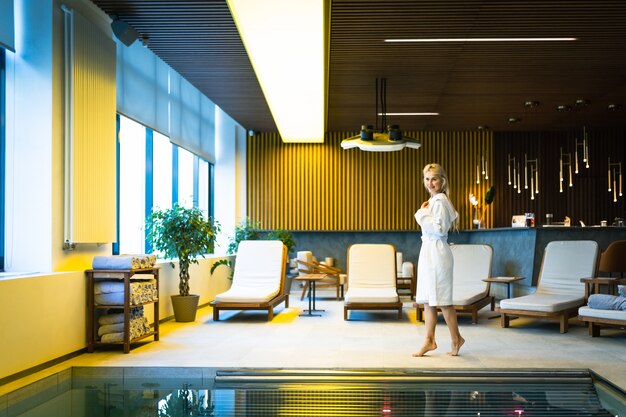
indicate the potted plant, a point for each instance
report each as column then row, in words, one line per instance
column 284, row 236
column 183, row 233
column 249, row 229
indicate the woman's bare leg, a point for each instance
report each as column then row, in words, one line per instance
column 449, row 314
column 430, row 320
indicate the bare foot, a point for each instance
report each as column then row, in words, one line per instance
column 456, row 347
column 428, row 346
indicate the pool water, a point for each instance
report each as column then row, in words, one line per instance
column 174, row 392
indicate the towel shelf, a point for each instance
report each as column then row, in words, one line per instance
column 127, row 275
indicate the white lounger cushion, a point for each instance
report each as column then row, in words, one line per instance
column 467, row 294
column 371, row 295
column 371, row 274
column 472, row 264
column 546, row 303
column 602, row 314
column 372, row 266
column 559, row 288
column 258, row 269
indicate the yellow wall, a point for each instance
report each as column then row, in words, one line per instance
column 43, row 317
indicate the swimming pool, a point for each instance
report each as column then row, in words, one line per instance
column 139, row 391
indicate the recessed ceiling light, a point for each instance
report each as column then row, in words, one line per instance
column 484, row 40
column 410, row 114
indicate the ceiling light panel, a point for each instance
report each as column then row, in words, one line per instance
column 286, row 43
column 463, row 40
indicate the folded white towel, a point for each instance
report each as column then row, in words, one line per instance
column 106, row 287
column 114, row 316
column 112, row 293
column 138, row 327
column 110, row 328
column 111, row 318
column 123, row 262
column 112, row 332
column 112, row 337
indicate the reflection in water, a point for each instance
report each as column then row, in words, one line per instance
column 335, row 393
column 187, row 402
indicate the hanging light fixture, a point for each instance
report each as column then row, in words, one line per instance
column 562, row 163
column 483, row 163
column 585, row 145
column 509, row 171
column 615, row 179
column 388, row 137
column 516, row 169
column 531, row 165
column 580, row 104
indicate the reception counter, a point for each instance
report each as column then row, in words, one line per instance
column 516, row 251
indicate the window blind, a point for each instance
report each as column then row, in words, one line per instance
column 152, row 93
column 7, row 31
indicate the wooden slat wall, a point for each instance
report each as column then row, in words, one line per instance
column 321, row 187
column 588, row 200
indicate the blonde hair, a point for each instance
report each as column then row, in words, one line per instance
column 438, row 171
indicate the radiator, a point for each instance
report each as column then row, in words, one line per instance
column 89, row 129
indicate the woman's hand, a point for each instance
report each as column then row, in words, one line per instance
column 424, row 204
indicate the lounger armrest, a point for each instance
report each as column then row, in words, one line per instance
column 591, row 284
column 331, row 270
column 317, row 267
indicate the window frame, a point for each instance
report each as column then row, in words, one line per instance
column 149, row 181
column 2, row 151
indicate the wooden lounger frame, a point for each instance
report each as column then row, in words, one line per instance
column 283, row 295
column 592, row 287
column 372, row 306
column 470, row 308
column 562, row 315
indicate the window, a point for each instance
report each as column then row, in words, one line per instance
column 153, row 173
column 162, row 172
column 203, row 187
column 132, row 190
column 185, row 178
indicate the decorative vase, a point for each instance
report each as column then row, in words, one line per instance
column 478, row 218
column 185, row 307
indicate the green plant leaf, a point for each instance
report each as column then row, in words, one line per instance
column 222, row 262
column 183, row 233
column 284, row 236
column 490, row 195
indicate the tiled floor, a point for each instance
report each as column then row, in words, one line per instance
column 368, row 340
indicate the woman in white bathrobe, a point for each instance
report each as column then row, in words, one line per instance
column 434, row 269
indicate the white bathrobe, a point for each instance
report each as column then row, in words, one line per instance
column 434, row 268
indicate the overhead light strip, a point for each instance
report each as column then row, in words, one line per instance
column 483, row 40
column 286, row 43
column 411, row 114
